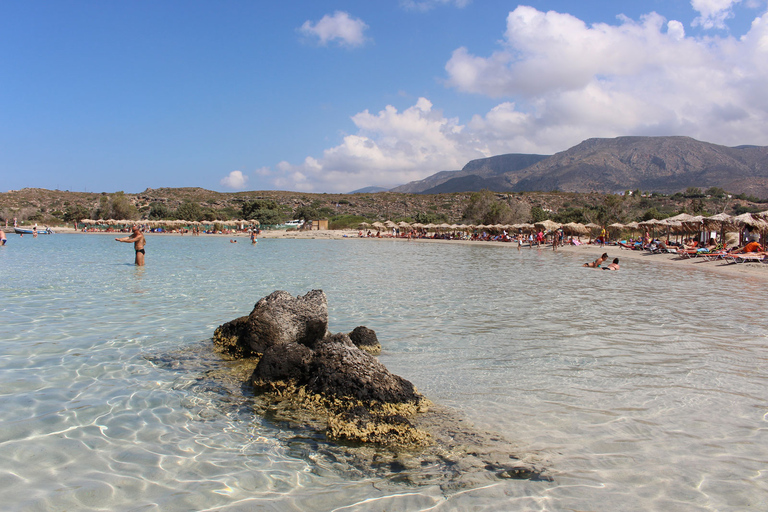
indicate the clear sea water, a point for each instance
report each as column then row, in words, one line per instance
column 643, row 389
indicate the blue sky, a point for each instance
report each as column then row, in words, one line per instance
column 332, row 96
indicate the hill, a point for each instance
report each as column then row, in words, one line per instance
column 483, row 173
column 656, row 164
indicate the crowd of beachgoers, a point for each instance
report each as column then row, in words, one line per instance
column 723, row 238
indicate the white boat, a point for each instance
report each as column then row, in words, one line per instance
column 25, row 231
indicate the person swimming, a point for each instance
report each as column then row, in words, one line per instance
column 613, row 266
column 597, row 262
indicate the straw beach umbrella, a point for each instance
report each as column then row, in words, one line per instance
column 575, row 228
column 548, row 225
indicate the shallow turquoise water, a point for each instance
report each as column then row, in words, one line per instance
column 643, row 389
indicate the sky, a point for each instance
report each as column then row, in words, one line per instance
column 333, row 96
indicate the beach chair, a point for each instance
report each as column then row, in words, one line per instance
column 688, row 253
column 714, row 255
column 744, row 258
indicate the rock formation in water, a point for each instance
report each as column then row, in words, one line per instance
column 307, row 378
column 301, row 361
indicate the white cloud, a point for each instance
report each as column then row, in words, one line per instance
column 234, row 180
column 560, row 81
column 426, row 5
column 713, row 13
column 340, row 28
column 390, row 148
column 572, row 81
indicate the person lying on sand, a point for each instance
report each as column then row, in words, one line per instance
column 597, row 262
column 750, row 247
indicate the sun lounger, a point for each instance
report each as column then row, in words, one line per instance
column 744, row 258
column 688, row 253
column 715, row 255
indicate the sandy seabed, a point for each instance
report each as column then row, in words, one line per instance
column 587, row 252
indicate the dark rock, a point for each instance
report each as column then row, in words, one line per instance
column 276, row 319
column 365, row 339
column 286, row 362
column 341, row 369
column 230, row 338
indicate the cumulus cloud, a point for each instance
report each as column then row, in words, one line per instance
column 339, row 28
column 572, row 81
column 234, row 180
column 713, row 13
column 559, row 81
column 390, row 148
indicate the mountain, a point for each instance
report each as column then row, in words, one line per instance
column 657, row 164
column 487, row 169
column 369, row 190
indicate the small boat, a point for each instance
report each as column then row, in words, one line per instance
column 24, row 231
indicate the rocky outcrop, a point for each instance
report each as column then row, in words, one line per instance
column 375, row 422
column 299, row 361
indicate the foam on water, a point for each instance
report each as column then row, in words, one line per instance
column 643, row 389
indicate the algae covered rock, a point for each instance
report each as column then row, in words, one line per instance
column 278, row 318
column 302, row 366
column 330, row 386
column 366, row 339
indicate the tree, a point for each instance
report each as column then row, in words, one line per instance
column 121, row 207
column 75, row 213
column 263, row 210
column 538, row 214
column 189, row 210
column 159, row 211
column 104, row 211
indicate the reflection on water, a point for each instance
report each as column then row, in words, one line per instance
column 639, row 389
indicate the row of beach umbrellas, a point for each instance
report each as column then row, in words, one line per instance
column 682, row 223
column 157, row 223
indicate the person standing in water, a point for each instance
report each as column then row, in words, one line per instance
column 138, row 244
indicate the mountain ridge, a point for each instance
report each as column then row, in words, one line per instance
column 665, row 164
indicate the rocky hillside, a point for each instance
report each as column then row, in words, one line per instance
column 483, row 173
column 654, row 164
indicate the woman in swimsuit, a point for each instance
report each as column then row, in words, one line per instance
column 597, row 262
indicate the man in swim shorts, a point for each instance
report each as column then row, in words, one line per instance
column 3, row 240
column 138, row 244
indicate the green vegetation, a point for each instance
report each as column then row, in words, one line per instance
column 273, row 207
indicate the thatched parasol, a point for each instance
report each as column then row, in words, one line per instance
column 379, row 226
column 575, row 228
column 548, row 225
column 718, row 222
column 746, row 219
